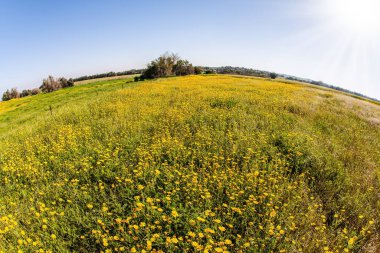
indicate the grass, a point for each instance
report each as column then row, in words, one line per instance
column 17, row 112
column 198, row 163
column 105, row 79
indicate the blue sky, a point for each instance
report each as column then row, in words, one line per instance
column 299, row 37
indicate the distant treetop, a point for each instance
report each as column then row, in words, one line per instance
column 169, row 65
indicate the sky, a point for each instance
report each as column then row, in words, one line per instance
column 335, row 41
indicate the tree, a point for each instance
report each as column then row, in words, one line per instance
column 273, row 75
column 26, row 93
column 35, row 91
column 70, row 83
column 10, row 94
column 14, row 93
column 210, row 71
column 50, row 84
column 6, row 96
column 66, row 83
column 167, row 65
column 198, row 70
column 151, row 72
column 183, row 68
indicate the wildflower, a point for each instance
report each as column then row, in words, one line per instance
column 209, row 230
column 174, row 214
column 228, row 241
column 351, row 241
column 221, row 228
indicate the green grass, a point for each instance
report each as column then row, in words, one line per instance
column 17, row 112
column 199, row 163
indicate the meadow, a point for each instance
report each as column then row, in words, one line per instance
column 210, row 163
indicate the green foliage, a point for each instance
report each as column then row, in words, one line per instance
column 168, row 65
column 198, row 70
column 273, row 75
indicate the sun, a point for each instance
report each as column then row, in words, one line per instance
column 360, row 17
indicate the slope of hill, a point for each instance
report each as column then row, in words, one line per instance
column 16, row 112
column 198, row 163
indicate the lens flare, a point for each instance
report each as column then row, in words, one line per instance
column 360, row 17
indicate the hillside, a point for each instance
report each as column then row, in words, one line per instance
column 198, row 163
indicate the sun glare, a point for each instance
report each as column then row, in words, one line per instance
column 361, row 17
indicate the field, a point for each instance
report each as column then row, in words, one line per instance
column 190, row 164
column 104, row 79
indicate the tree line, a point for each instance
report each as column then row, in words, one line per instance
column 266, row 74
column 165, row 66
column 240, row 71
column 109, row 74
column 49, row 84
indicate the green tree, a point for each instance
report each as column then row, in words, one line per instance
column 167, row 65
column 273, row 75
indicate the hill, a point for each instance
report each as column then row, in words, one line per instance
column 199, row 163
